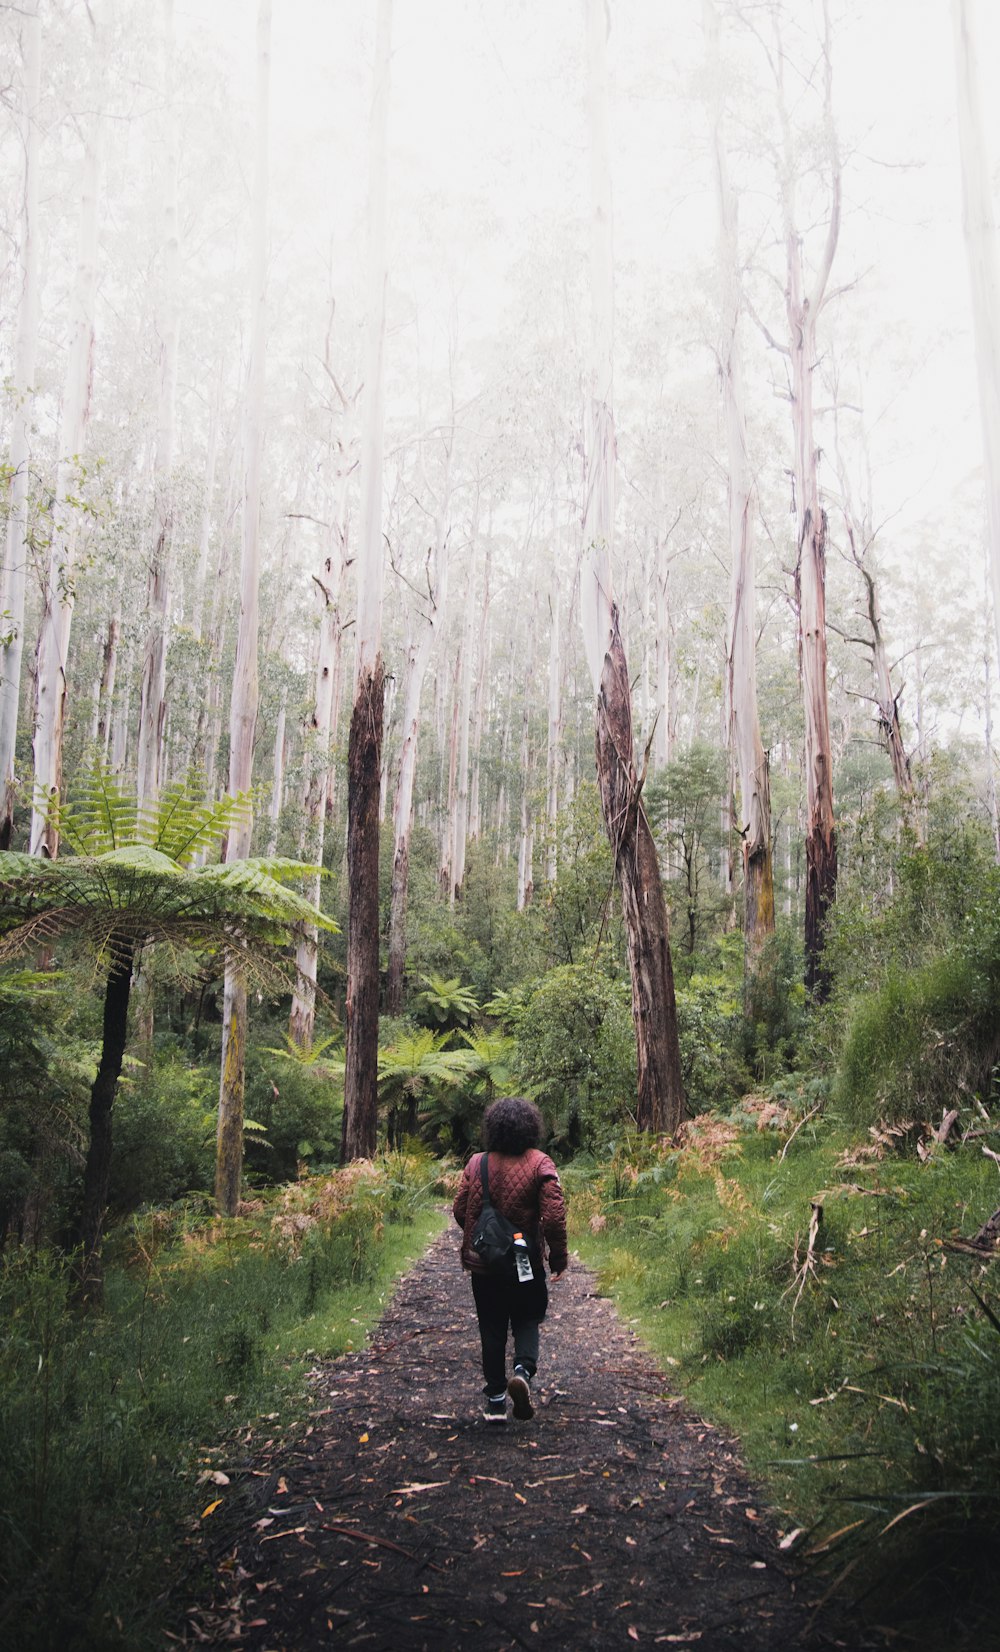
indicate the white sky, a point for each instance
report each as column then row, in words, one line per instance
column 487, row 123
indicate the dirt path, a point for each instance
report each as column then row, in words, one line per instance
column 404, row 1522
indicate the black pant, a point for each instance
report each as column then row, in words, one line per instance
column 499, row 1305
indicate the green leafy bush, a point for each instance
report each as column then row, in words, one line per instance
column 164, row 1133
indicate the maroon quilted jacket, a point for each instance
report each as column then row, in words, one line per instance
column 524, row 1189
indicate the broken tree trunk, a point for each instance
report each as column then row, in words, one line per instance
column 660, row 1094
column 364, row 757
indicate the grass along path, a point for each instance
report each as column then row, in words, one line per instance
column 399, row 1519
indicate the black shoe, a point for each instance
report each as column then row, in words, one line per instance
column 495, row 1411
column 519, row 1389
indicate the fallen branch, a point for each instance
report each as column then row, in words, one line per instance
column 803, row 1120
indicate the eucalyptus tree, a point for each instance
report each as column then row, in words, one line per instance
column 660, row 1098
column 979, row 223
column 806, row 292
column 152, row 705
column 245, row 692
column 52, row 659
column 424, row 624
column 17, row 543
column 742, row 718
column 364, row 758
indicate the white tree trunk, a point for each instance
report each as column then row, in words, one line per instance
column 277, row 800
column 152, row 706
column 419, row 647
column 205, row 530
column 57, row 613
column 303, row 1012
column 13, row 585
column 984, row 275
column 802, row 312
column 741, row 715
column 475, row 808
column 243, row 707
column 554, row 741
column 462, row 805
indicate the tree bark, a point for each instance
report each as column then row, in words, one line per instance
column 97, row 1167
column 660, row 1090
column 243, row 709
column 13, row 586
column 360, row 1125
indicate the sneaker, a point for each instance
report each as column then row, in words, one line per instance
column 519, row 1389
column 495, row 1409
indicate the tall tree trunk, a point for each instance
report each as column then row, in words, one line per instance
column 97, row 1166
column 446, row 881
column 802, row 311
column 13, row 585
column 984, row 275
column 661, row 739
column 243, row 708
column 277, row 800
column 418, row 653
column 303, row 1012
column 364, row 757
column 152, row 703
column 660, row 1094
column 743, row 722
column 461, row 830
column 482, row 669
column 554, row 742
column 205, row 529
column 57, row 613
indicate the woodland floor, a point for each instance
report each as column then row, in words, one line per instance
column 401, row 1520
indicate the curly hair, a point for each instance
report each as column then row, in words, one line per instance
column 512, row 1125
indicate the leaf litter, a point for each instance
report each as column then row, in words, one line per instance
column 413, row 1565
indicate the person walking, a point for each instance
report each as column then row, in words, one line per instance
column 522, row 1184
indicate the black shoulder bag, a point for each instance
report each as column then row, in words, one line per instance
column 493, row 1237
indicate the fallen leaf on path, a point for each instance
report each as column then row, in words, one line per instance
column 415, row 1486
column 633, row 1633
column 211, row 1508
column 790, row 1538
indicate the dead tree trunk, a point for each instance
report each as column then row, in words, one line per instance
column 364, row 758
column 660, row 1095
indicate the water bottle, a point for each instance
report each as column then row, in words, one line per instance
column 522, row 1261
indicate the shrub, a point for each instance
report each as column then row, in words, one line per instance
column 576, row 1051
column 916, row 1046
column 164, row 1133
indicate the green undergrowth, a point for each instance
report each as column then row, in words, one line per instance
column 864, row 1383
column 110, row 1423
